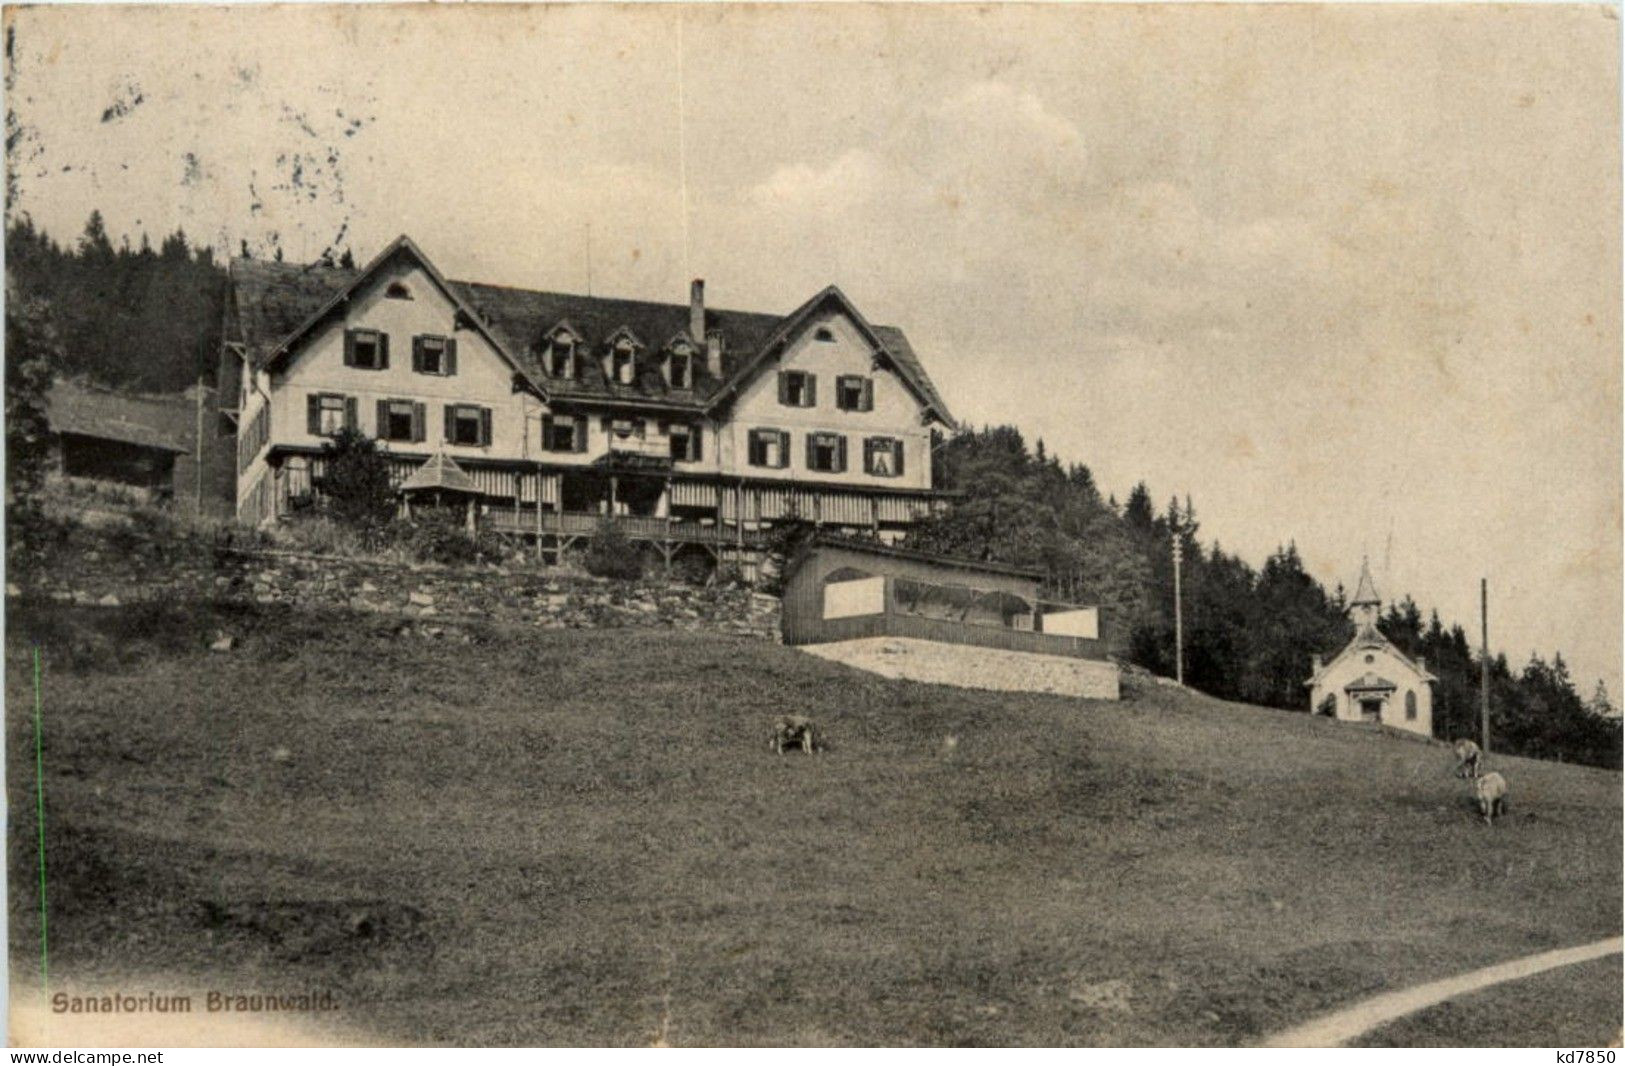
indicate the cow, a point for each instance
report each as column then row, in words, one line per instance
column 1492, row 795
column 1467, row 758
column 792, row 730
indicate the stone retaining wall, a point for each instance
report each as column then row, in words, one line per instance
column 484, row 593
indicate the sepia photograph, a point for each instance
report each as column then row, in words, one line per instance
column 880, row 525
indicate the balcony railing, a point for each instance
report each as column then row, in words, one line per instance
column 569, row 523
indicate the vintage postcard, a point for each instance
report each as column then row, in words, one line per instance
column 889, row 525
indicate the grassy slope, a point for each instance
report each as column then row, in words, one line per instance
column 579, row 837
column 1574, row 1007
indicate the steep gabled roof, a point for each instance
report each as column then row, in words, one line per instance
column 319, row 291
column 889, row 343
column 273, row 305
column 1370, row 638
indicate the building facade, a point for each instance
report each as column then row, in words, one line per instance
column 1370, row 680
column 688, row 424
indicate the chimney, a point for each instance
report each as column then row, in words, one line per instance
column 696, row 311
column 1317, row 663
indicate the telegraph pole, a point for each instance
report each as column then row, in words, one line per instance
column 1484, row 666
column 1179, row 617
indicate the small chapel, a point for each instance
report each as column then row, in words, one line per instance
column 1371, row 680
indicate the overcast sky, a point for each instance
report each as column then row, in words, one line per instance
column 1349, row 276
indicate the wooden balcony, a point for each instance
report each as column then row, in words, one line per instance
column 571, row 525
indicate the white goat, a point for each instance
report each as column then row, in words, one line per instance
column 1492, row 795
column 1467, row 758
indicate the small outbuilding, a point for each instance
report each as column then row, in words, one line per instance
column 941, row 620
column 839, row 588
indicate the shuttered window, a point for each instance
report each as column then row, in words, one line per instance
column 366, row 349
column 826, row 452
column 798, row 388
column 432, row 354
column 327, row 413
column 401, row 420
column 564, row 433
column 468, row 425
column 685, row 443
column 769, row 448
column 883, row 456
column 854, row 392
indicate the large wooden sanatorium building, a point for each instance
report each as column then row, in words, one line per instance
column 691, row 426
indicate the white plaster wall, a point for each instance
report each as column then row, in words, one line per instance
column 896, row 412
column 1084, row 622
column 849, row 599
column 1352, row 666
column 483, row 377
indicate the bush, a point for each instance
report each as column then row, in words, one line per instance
column 612, row 553
column 784, row 540
column 439, row 536
column 356, row 482
column 694, row 568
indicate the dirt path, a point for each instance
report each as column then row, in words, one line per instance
column 1331, row 1030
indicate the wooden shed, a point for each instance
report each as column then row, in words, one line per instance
column 845, row 589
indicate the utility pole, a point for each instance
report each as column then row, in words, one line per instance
column 1179, row 616
column 1484, row 666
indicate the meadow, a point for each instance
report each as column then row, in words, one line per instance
column 581, row 837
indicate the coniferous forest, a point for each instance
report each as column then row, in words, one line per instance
column 131, row 316
column 146, row 319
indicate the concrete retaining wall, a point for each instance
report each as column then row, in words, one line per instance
column 971, row 667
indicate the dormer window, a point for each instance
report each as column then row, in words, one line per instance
column 397, row 291
column 622, row 362
column 561, row 356
column 679, row 363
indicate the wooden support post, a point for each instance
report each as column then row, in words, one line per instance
column 1484, row 665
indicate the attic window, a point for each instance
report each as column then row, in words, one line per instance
column 621, row 362
column 825, row 335
column 561, row 352
column 397, row 291
column 797, row 388
column 680, row 368
column 854, row 392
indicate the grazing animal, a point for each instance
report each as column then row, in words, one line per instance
column 792, row 730
column 1467, row 758
column 1492, row 795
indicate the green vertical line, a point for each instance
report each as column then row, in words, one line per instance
column 39, row 780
